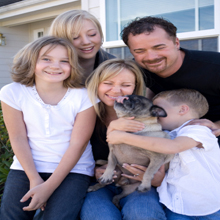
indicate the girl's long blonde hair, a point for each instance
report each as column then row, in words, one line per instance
column 68, row 24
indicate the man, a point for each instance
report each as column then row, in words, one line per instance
column 155, row 47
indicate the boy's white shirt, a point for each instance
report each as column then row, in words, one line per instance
column 192, row 184
column 49, row 127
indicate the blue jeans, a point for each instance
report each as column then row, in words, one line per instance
column 136, row 206
column 64, row 203
column 174, row 216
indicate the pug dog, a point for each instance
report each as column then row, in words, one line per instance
column 143, row 110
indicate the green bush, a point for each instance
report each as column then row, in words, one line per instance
column 6, row 153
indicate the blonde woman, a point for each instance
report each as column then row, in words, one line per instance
column 84, row 31
column 111, row 79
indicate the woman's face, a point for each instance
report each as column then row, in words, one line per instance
column 119, row 85
column 88, row 42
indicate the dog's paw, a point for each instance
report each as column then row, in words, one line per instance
column 91, row 189
column 116, row 201
column 143, row 188
column 105, row 180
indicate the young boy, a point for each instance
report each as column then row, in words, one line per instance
column 191, row 186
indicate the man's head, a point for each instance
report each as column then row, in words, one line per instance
column 147, row 25
column 154, row 45
column 180, row 105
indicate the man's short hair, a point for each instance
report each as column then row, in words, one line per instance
column 147, row 25
column 194, row 99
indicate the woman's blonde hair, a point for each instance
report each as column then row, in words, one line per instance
column 24, row 64
column 109, row 69
column 68, row 24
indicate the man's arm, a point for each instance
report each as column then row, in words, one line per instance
column 214, row 126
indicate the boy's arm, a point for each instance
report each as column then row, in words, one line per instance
column 156, row 144
column 81, row 133
column 18, row 137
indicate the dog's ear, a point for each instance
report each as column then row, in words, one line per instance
column 157, row 111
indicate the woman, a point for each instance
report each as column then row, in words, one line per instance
column 84, row 31
column 111, row 79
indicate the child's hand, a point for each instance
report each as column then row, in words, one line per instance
column 40, row 194
column 36, row 182
column 125, row 124
column 114, row 137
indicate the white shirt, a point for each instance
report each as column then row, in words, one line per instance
column 192, row 184
column 49, row 127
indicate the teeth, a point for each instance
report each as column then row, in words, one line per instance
column 88, row 48
column 112, row 97
column 53, row 73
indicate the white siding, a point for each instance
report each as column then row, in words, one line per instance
column 16, row 38
column 92, row 6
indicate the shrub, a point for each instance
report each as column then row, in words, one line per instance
column 6, row 153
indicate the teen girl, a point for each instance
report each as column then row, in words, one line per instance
column 84, row 31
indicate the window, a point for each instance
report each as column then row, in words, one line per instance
column 206, row 44
column 38, row 33
column 194, row 19
column 187, row 15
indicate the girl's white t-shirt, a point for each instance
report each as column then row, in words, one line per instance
column 49, row 127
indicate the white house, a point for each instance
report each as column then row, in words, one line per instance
column 21, row 21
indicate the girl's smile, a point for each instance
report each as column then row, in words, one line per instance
column 53, row 65
column 88, row 41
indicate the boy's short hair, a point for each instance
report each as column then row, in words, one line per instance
column 194, row 99
column 23, row 68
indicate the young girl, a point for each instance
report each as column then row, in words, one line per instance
column 111, row 79
column 50, row 121
column 84, row 31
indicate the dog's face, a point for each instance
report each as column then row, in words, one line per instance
column 138, row 107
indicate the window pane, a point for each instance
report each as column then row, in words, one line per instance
column 206, row 44
column 210, row 44
column 111, row 20
column 127, row 53
column 184, row 20
column 117, row 51
column 206, row 14
column 181, row 13
column 189, row 44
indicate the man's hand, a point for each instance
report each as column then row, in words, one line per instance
column 215, row 127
